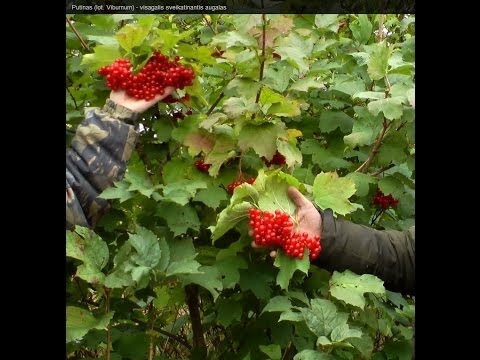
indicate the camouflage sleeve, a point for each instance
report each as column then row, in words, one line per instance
column 388, row 254
column 100, row 149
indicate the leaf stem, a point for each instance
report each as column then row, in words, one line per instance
column 84, row 44
column 109, row 328
column 376, row 147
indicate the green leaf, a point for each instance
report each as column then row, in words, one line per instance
column 80, row 321
column 391, row 185
column 273, row 351
column 288, row 266
column 377, row 64
column 119, row 191
column 348, row 84
column 187, row 126
column 228, row 218
column 257, row 278
column 208, row 277
column 119, row 279
column 239, row 87
column 363, row 344
column 229, row 270
column 182, row 191
column 88, row 247
column 330, row 120
column 328, row 22
column 179, row 218
column 307, row 83
column 362, row 182
column 244, row 192
column 391, row 107
column 185, row 266
column 286, row 108
column 244, row 23
column 201, row 54
column 221, row 152
column 291, row 316
column 139, row 181
column 295, row 56
column 132, row 35
column 90, row 273
column 293, row 155
column 132, row 345
column 273, row 191
column 350, row 287
column 343, row 332
column 199, row 141
column 325, row 158
column 278, row 303
column 277, row 76
column 365, row 130
column 102, row 55
column 332, row 192
column 261, row 138
column 401, row 350
column 147, row 246
column 163, row 129
column 182, row 255
column 369, row 95
column 362, row 29
column 312, row 355
column 228, row 311
column 322, row 317
column 234, row 38
column 212, row 196
column 235, row 107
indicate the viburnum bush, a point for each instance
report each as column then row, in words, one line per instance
column 324, row 103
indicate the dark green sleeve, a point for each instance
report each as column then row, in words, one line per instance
column 388, row 254
column 100, row 149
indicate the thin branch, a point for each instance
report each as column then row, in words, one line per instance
column 220, row 97
column 109, row 328
column 380, row 27
column 191, row 292
column 373, row 152
column 383, row 169
column 84, row 44
column 209, row 24
column 73, row 98
column 177, row 338
column 262, row 64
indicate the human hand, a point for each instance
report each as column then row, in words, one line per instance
column 120, row 97
column 307, row 217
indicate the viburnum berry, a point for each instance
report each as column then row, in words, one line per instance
column 277, row 229
column 200, row 165
column 277, row 159
column 384, row 201
column 233, row 185
column 157, row 74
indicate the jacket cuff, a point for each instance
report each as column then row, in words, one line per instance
column 120, row 112
column 327, row 232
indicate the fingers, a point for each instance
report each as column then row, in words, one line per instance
column 297, row 197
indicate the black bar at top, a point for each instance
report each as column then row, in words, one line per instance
column 240, row 6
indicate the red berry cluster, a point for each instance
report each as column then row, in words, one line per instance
column 152, row 80
column 278, row 159
column 239, row 182
column 276, row 229
column 200, row 165
column 384, row 201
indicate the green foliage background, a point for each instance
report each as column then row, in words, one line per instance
column 171, row 263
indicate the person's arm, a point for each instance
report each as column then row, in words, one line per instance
column 98, row 155
column 387, row 254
